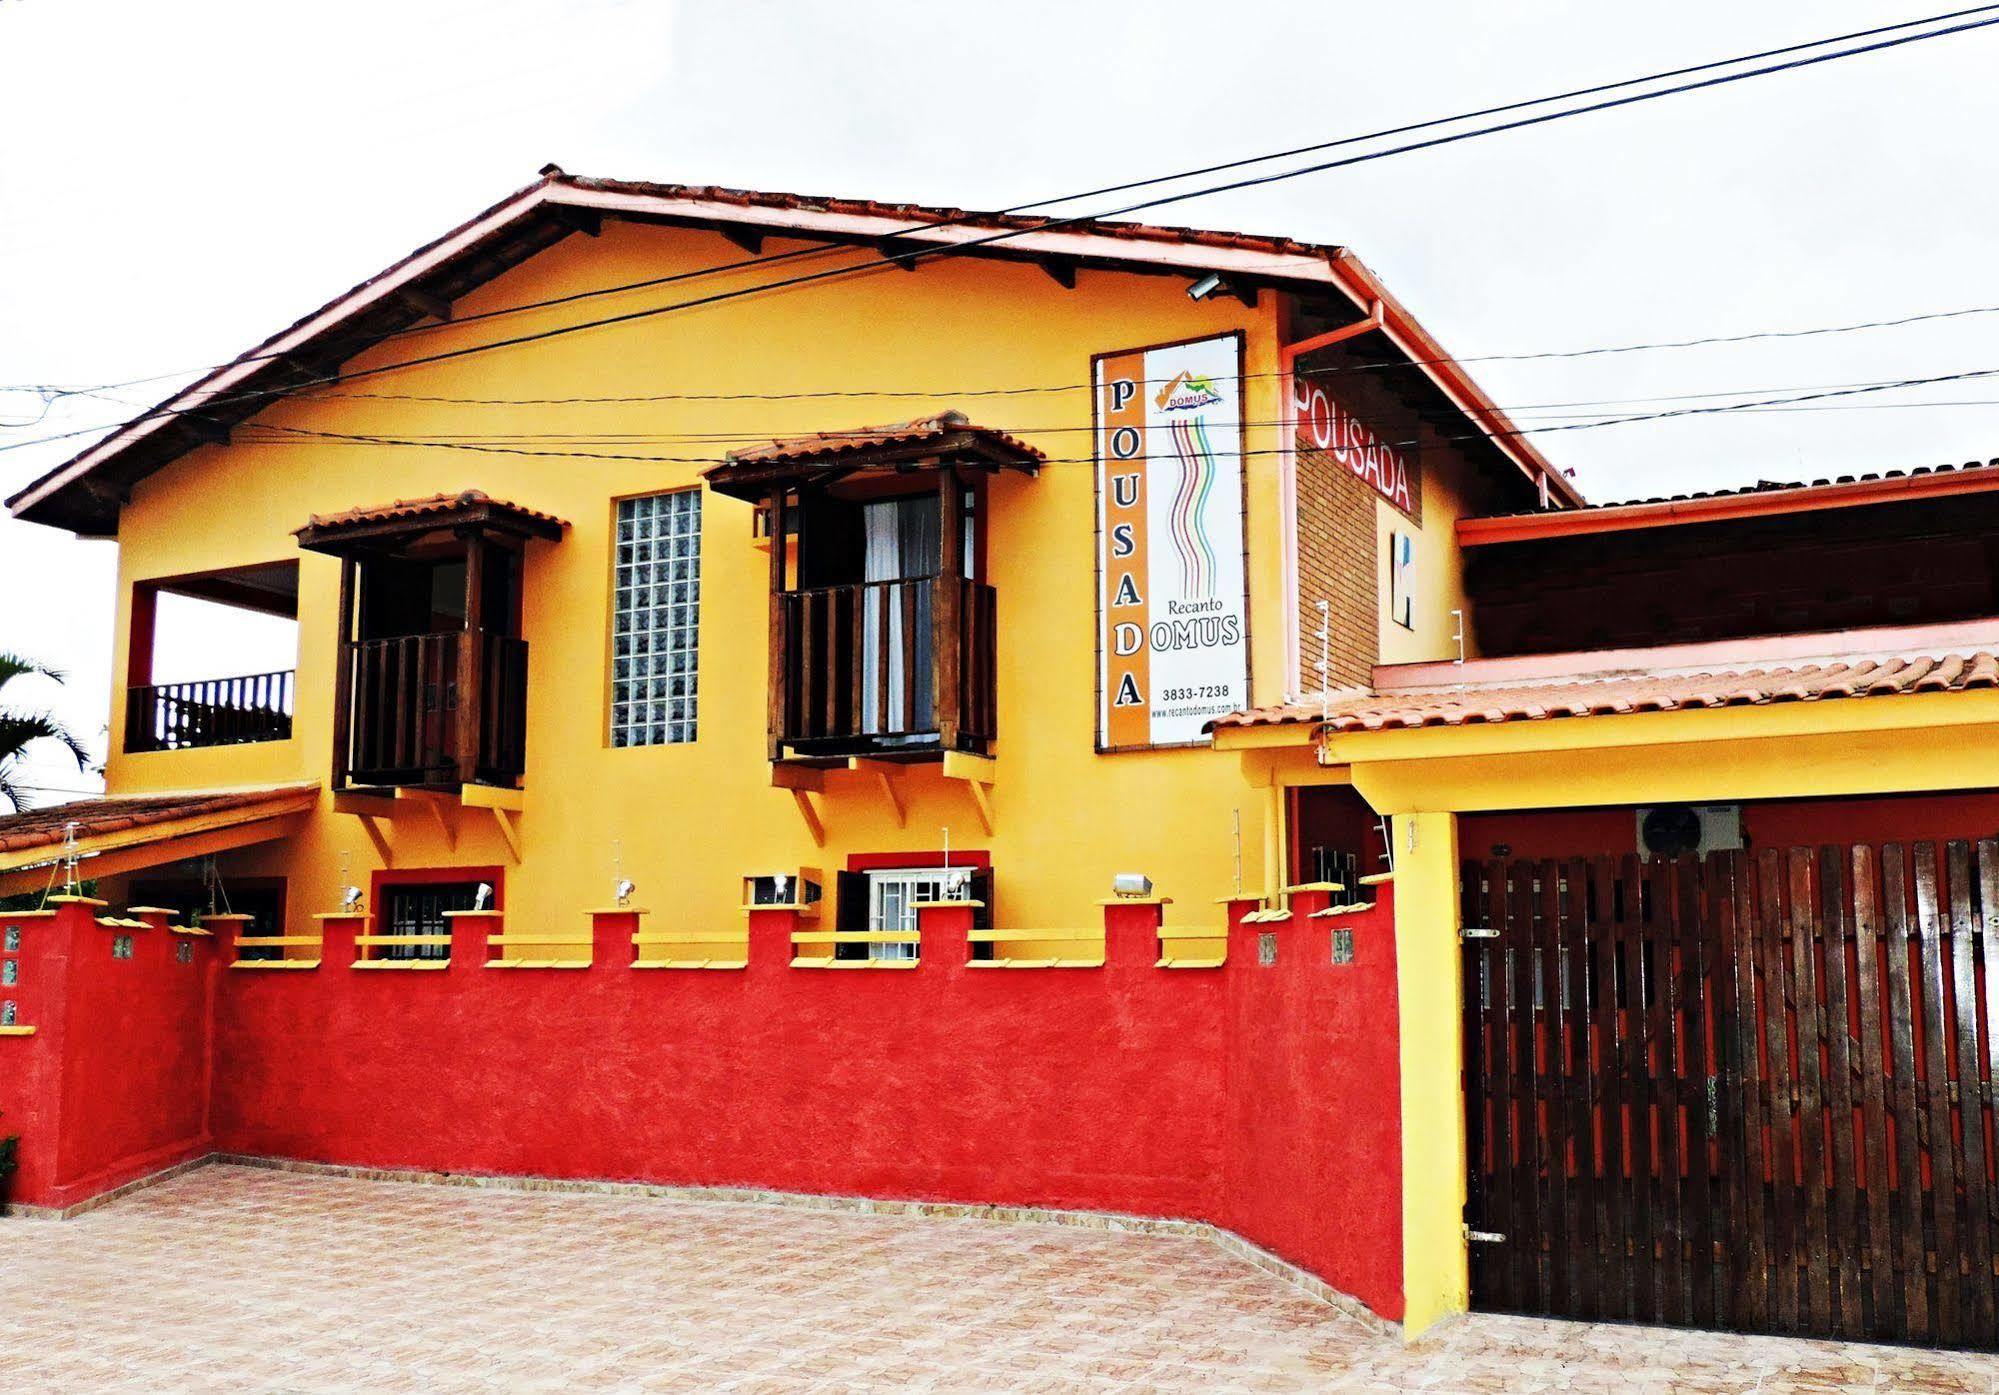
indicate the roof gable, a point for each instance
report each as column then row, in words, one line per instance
column 85, row 492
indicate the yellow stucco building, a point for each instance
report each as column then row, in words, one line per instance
column 849, row 563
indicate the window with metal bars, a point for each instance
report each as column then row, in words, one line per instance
column 419, row 910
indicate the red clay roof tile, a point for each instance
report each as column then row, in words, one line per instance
column 821, row 444
column 1667, row 691
column 44, row 827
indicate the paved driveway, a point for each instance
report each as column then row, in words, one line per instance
column 241, row 1279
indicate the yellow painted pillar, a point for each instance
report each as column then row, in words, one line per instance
column 1435, row 1276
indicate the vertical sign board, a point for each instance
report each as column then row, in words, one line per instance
column 1172, row 592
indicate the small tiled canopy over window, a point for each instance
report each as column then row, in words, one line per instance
column 656, row 620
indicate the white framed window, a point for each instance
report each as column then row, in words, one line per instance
column 893, row 894
column 656, row 619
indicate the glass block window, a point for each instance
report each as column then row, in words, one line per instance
column 656, row 619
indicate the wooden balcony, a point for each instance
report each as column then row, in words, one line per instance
column 209, row 712
column 405, row 725
column 888, row 668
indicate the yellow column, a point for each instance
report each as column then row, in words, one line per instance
column 1435, row 1277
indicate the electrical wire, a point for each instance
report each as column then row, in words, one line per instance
column 714, row 459
column 964, row 219
column 910, row 258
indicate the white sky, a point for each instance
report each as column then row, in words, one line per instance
column 178, row 180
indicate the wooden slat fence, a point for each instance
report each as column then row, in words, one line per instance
column 1751, row 1091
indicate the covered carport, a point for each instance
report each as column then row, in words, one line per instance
column 1625, row 1094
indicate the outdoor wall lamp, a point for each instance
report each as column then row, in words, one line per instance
column 482, row 899
column 350, row 898
column 624, row 891
column 1131, row 884
column 1205, row 287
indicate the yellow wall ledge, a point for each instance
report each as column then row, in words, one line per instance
column 693, row 964
column 830, row 963
column 17, row 1031
column 275, row 964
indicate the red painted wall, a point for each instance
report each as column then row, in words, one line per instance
column 1262, row 1099
column 1314, row 1100
column 115, row 1082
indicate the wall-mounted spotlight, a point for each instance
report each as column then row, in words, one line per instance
column 482, row 899
column 1205, row 287
column 350, row 898
column 624, row 891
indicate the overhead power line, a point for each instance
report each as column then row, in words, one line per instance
column 875, row 264
column 963, row 219
column 714, row 458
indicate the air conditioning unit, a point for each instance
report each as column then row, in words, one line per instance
column 1674, row 830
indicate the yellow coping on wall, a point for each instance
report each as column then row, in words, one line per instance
column 800, row 906
column 617, row 910
column 16, row 1031
column 431, row 965
column 1138, row 901
column 947, row 905
column 831, row 963
column 263, row 941
column 737, row 940
column 558, row 941
column 1172, row 935
column 393, row 940
column 343, row 915
column 1315, row 886
column 9, row 917
column 1001, row 937
column 1350, row 909
column 690, row 963
column 261, row 964
column 1377, row 878
column 857, row 937
column 537, row 963
column 191, row 930
column 75, row 901
column 112, row 922
column 488, row 913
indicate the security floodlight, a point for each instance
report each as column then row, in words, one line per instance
column 483, row 897
column 781, row 885
column 1205, row 287
column 625, row 890
column 350, row 898
column 1131, row 884
column 960, row 885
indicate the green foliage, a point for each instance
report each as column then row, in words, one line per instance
column 20, row 727
column 10, row 1154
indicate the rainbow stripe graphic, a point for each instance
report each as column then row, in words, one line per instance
column 1190, row 507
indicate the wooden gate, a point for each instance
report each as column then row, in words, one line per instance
column 1753, row 1091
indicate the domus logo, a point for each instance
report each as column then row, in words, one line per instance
column 1186, row 391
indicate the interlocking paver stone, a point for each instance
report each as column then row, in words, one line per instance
column 244, row 1279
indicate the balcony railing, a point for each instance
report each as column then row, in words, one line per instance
column 404, row 720
column 210, row 712
column 889, row 665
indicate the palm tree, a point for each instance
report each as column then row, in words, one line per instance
column 21, row 728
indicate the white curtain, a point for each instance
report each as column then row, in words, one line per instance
column 900, row 543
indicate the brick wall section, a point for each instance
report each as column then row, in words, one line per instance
column 1338, row 562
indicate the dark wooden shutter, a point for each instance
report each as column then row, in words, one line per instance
column 850, row 911
column 982, row 918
